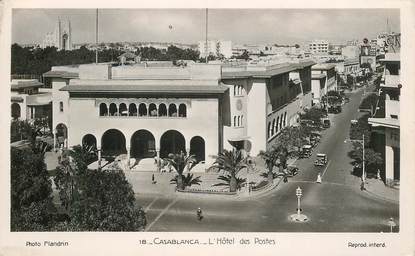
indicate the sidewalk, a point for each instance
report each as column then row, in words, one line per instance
column 378, row 189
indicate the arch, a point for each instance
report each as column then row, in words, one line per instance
column 273, row 127
column 277, row 124
column 113, row 109
column 123, row 109
column 113, row 143
column 65, row 43
column 172, row 110
column 89, row 140
column 239, row 121
column 15, row 110
column 61, row 134
column 182, row 110
column 103, row 109
column 281, row 122
column 132, row 109
column 285, row 119
column 269, row 129
column 143, row 144
column 197, row 148
column 171, row 141
column 234, row 90
column 142, row 109
column 152, row 109
column 234, row 121
column 242, row 120
column 162, row 109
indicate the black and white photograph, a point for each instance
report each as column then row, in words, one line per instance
column 209, row 120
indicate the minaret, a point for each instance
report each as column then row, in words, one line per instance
column 69, row 35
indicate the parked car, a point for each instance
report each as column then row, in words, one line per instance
column 321, row 160
column 292, row 171
column 326, row 123
column 306, row 151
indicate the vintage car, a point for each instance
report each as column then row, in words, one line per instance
column 306, row 151
column 292, row 171
column 321, row 160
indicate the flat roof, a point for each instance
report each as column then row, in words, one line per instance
column 258, row 71
column 21, row 84
column 318, row 76
column 323, row 66
column 39, row 99
column 62, row 74
column 151, row 89
column 385, row 122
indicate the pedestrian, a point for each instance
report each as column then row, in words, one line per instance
column 153, row 180
column 318, row 178
column 378, row 175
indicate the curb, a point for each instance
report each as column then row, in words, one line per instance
column 372, row 194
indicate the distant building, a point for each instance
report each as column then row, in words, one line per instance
column 319, row 47
column 61, row 38
column 323, row 80
column 29, row 101
column 215, row 48
column 350, row 51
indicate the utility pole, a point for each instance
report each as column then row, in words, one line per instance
column 96, row 38
column 206, row 38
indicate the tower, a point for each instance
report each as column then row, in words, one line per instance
column 63, row 35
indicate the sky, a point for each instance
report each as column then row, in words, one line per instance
column 241, row 26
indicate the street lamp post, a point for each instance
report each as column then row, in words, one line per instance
column 391, row 224
column 299, row 193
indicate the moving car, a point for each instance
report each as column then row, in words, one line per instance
column 321, row 160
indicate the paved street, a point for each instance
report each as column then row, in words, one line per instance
column 336, row 205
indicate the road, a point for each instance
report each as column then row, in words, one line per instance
column 335, row 205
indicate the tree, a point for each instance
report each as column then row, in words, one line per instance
column 188, row 180
column 106, row 203
column 292, row 138
column 95, row 200
column 373, row 159
column 313, row 114
column 31, row 192
column 180, row 162
column 227, row 181
column 270, row 157
column 361, row 128
column 232, row 162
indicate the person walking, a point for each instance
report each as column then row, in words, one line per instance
column 318, row 178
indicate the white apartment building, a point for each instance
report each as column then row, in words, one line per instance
column 319, row 47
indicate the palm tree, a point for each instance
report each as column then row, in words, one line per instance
column 231, row 162
column 188, row 180
column 180, row 162
column 270, row 157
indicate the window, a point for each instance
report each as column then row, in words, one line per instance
column 234, row 121
column 242, row 118
column 61, row 106
column 182, row 110
column 394, row 116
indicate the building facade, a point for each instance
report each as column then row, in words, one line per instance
column 388, row 125
column 323, row 80
column 145, row 112
column 319, row 47
column 29, row 101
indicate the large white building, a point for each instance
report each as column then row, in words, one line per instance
column 319, row 47
column 388, row 125
column 143, row 111
column 61, row 37
column 215, row 48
